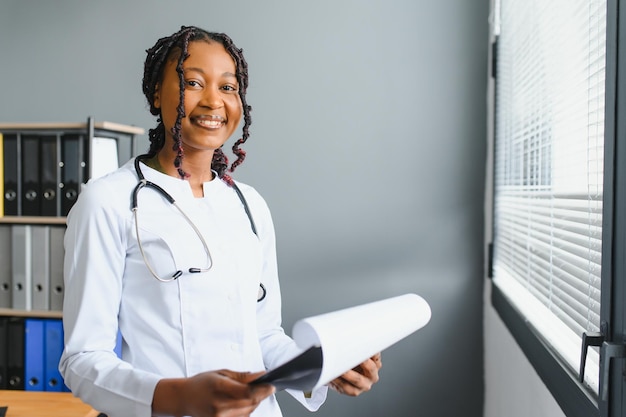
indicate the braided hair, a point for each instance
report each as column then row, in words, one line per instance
column 176, row 47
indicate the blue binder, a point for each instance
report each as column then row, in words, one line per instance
column 53, row 351
column 34, row 354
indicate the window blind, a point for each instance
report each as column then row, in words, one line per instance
column 548, row 173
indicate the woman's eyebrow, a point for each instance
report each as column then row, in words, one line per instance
column 200, row 70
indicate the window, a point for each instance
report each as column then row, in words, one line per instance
column 549, row 216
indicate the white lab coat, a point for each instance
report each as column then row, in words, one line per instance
column 199, row 322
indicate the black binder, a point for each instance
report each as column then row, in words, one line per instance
column 71, row 170
column 15, row 353
column 49, row 159
column 31, row 187
column 12, row 169
column 3, row 352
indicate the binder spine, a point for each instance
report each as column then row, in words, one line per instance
column 4, row 345
column 21, row 264
column 53, row 351
column 34, row 349
column 49, row 157
column 5, row 266
column 57, row 253
column 40, row 261
column 12, row 168
column 1, row 173
column 71, row 170
column 31, row 187
column 15, row 353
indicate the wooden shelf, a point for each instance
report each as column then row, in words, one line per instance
column 44, row 404
column 44, row 314
column 32, row 220
column 116, row 127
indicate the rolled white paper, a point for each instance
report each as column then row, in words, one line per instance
column 350, row 336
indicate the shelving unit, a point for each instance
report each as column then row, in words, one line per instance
column 42, row 169
column 45, row 163
column 40, row 183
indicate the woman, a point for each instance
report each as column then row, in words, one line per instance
column 193, row 285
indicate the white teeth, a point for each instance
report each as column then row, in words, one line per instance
column 210, row 122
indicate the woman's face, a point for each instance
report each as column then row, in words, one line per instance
column 212, row 105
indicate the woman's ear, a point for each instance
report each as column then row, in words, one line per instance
column 156, row 99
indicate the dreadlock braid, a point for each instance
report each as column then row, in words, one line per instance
column 176, row 47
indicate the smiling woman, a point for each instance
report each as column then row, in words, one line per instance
column 194, row 337
column 200, row 96
column 212, row 107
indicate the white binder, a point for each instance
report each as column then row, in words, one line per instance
column 57, row 253
column 22, row 267
column 5, row 266
column 40, row 264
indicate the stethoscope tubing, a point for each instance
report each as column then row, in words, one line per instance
column 143, row 183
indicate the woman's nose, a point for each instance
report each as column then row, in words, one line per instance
column 212, row 98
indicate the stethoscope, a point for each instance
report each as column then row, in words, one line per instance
column 144, row 183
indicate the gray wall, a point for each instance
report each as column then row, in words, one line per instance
column 368, row 142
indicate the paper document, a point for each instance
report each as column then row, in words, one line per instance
column 336, row 342
column 103, row 157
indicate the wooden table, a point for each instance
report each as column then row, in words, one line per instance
column 44, row 404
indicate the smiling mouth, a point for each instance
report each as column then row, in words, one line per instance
column 210, row 122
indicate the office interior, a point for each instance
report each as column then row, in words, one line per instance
column 369, row 143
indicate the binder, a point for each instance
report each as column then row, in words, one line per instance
column 21, row 265
column 71, row 171
column 15, row 353
column 57, row 252
column 11, row 175
column 3, row 352
column 40, row 267
column 5, row 266
column 31, row 187
column 49, row 159
column 52, row 356
column 1, row 174
column 34, row 348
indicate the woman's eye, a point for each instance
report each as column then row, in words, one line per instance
column 229, row 88
column 193, row 83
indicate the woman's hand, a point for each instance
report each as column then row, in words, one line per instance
column 359, row 379
column 221, row 393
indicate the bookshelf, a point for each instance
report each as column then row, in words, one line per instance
column 43, row 164
column 42, row 169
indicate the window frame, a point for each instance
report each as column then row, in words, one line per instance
column 574, row 399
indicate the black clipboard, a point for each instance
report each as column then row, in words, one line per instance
column 300, row 373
